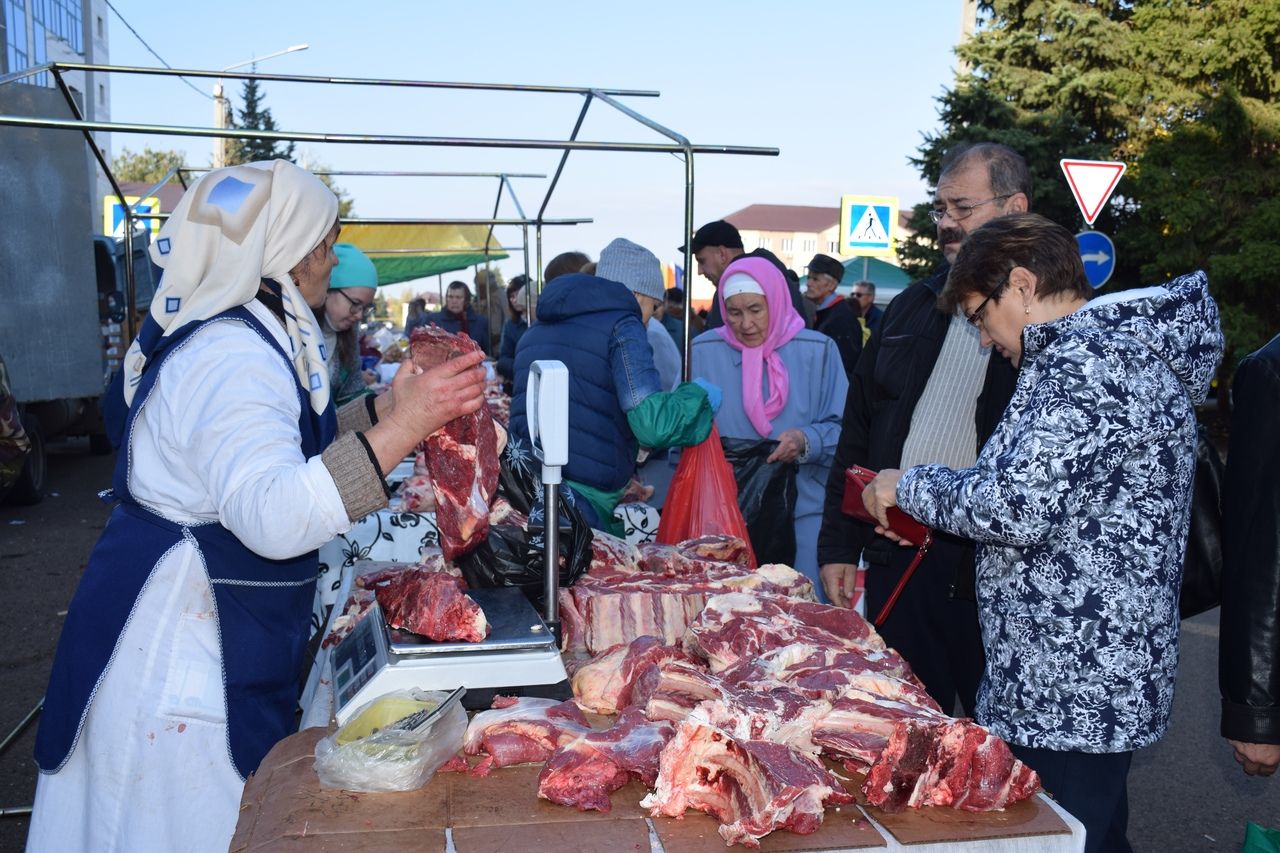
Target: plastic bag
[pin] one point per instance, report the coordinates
(513, 556)
(1259, 839)
(703, 498)
(766, 496)
(370, 753)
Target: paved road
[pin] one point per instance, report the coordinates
(1186, 793)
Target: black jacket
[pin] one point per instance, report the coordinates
(883, 391)
(1249, 631)
(840, 323)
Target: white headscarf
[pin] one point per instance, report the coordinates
(235, 227)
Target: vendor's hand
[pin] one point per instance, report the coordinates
(421, 402)
(1257, 759)
(791, 445)
(369, 377)
(427, 400)
(839, 580)
(880, 494)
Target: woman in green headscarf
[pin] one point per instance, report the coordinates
(352, 286)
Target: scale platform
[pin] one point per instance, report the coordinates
(375, 660)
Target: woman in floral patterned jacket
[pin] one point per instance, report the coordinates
(1079, 504)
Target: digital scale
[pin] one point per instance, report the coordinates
(376, 659)
(521, 649)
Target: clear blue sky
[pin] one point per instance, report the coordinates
(844, 88)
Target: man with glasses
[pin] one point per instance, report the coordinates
(925, 391)
(864, 299)
(352, 286)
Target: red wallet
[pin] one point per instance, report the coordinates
(856, 479)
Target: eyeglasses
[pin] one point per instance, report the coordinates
(365, 308)
(961, 212)
(975, 319)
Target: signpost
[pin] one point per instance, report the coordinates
(1091, 182)
(868, 224)
(113, 214)
(1099, 256)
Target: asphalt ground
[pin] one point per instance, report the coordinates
(1186, 792)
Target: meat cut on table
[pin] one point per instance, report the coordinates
(519, 731)
(462, 456)
(585, 771)
(751, 787)
(954, 763)
(604, 685)
(601, 611)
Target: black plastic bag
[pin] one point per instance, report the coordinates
(510, 556)
(766, 496)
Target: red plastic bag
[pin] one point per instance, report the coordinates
(703, 498)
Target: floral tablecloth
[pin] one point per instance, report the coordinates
(390, 534)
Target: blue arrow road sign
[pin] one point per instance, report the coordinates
(1099, 256)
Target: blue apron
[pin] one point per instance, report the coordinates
(262, 606)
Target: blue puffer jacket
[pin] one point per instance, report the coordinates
(581, 320)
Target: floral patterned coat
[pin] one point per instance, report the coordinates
(1079, 504)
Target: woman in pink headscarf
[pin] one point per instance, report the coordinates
(780, 381)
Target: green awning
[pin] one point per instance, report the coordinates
(405, 252)
(881, 273)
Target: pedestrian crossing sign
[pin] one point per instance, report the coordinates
(868, 224)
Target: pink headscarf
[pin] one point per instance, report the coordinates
(784, 323)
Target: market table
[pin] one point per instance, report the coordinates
(284, 808)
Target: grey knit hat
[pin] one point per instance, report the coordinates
(634, 266)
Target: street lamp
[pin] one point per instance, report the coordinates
(222, 106)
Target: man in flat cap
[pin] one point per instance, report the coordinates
(835, 316)
(718, 244)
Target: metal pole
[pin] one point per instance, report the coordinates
(15, 811)
(541, 267)
(866, 264)
(26, 721)
(551, 557)
(688, 270)
(220, 108)
(528, 288)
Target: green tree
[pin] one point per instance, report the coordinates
(148, 167)
(1182, 91)
(255, 116)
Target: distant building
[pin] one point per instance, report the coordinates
(37, 32)
(795, 232)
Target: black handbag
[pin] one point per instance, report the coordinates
(1202, 565)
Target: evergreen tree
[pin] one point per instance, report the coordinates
(254, 116)
(148, 167)
(1182, 91)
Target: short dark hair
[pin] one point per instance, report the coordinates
(675, 294)
(867, 283)
(1006, 168)
(460, 285)
(563, 264)
(1026, 240)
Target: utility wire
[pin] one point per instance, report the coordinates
(152, 52)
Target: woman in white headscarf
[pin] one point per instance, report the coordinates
(180, 656)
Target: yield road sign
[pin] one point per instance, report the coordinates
(1099, 256)
(1091, 182)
